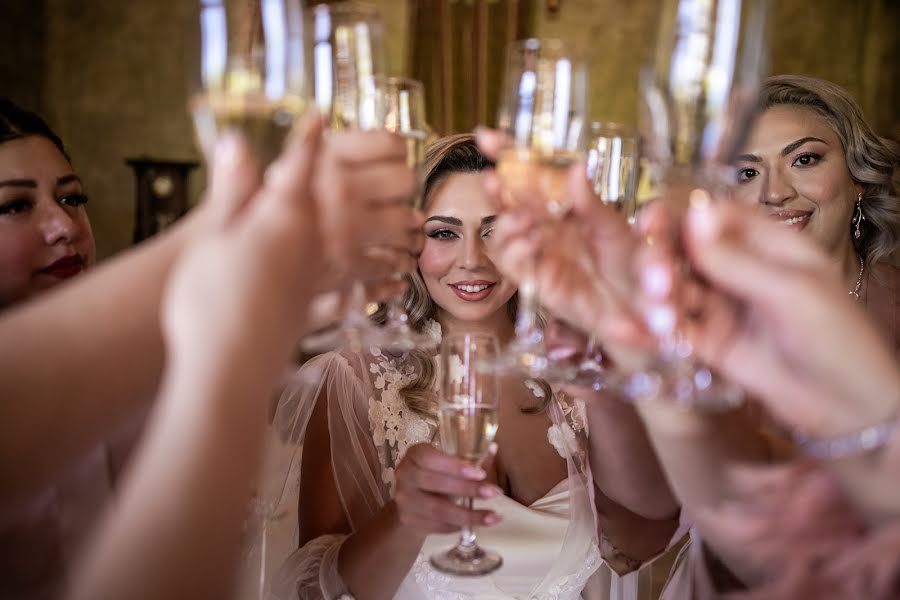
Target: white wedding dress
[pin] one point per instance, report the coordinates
(549, 548)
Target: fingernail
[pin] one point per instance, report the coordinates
(492, 449)
(702, 220)
(561, 353)
(228, 151)
(661, 319)
(489, 491)
(656, 281)
(476, 473)
(491, 518)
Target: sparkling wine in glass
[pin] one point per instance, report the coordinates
(251, 74)
(699, 97)
(401, 108)
(468, 423)
(543, 107)
(612, 164)
(612, 167)
(345, 46)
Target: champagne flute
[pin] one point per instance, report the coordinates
(402, 111)
(347, 58)
(612, 166)
(251, 76)
(612, 163)
(468, 424)
(543, 107)
(698, 99)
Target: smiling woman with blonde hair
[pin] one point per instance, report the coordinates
(375, 496)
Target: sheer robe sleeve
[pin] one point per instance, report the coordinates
(286, 571)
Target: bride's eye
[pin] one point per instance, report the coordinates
(442, 234)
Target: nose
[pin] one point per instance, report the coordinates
(58, 225)
(778, 188)
(473, 253)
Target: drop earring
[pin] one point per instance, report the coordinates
(858, 219)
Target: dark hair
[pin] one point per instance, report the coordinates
(16, 123)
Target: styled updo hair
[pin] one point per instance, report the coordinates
(873, 161)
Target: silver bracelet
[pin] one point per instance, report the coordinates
(865, 440)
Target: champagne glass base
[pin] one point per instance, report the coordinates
(530, 360)
(467, 562)
(683, 383)
(592, 375)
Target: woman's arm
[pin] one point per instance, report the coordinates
(175, 531)
(373, 560)
(64, 376)
(636, 510)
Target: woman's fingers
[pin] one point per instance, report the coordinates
(355, 148)
(433, 513)
(234, 179)
(491, 141)
(429, 482)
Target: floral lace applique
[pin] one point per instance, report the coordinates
(394, 427)
(564, 436)
(435, 584)
(569, 587)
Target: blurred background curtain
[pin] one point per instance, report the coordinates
(457, 48)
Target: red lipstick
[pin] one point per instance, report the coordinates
(66, 267)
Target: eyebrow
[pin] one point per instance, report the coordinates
(29, 183)
(454, 221)
(794, 145)
(754, 158)
(67, 179)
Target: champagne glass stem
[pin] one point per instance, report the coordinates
(467, 545)
(527, 330)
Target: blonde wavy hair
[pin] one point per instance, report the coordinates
(873, 161)
(444, 157)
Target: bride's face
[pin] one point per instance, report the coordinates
(454, 264)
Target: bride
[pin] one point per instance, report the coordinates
(375, 497)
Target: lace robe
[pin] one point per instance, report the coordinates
(550, 548)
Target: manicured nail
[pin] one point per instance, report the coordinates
(489, 491)
(491, 518)
(702, 221)
(492, 449)
(475, 473)
(561, 353)
(661, 319)
(228, 151)
(656, 281)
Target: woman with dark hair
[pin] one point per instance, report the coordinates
(45, 233)
(375, 496)
(812, 164)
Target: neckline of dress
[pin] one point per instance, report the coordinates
(559, 488)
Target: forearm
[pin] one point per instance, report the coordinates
(176, 530)
(376, 558)
(623, 463)
(84, 359)
(698, 452)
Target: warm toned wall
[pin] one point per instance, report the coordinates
(109, 74)
(853, 43)
(115, 87)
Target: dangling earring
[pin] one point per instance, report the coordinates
(858, 219)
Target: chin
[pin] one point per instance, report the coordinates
(468, 311)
